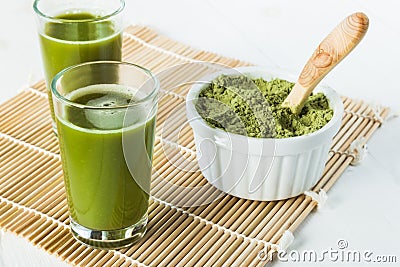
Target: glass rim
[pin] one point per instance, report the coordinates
(65, 100)
(95, 19)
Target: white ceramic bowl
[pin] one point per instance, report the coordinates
(261, 168)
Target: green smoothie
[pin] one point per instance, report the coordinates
(102, 192)
(77, 37)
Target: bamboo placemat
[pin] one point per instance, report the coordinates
(227, 231)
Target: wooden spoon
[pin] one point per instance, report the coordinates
(336, 46)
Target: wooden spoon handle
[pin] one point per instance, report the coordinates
(336, 46)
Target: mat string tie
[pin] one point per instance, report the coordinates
(392, 115)
(285, 241)
(320, 198)
(377, 110)
(358, 149)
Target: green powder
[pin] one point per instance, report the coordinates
(252, 107)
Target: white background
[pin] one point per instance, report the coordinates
(363, 206)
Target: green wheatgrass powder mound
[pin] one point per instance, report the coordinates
(252, 107)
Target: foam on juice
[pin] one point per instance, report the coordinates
(107, 107)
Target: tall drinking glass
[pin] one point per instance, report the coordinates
(105, 113)
(77, 31)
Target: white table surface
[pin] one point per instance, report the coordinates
(363, 206)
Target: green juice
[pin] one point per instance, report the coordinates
(77, 38)
(102, 192)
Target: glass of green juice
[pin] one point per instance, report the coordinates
(105, 114)
(77, 31)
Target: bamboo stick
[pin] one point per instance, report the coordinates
(97, 256)
(10, 104)
(25, 218)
